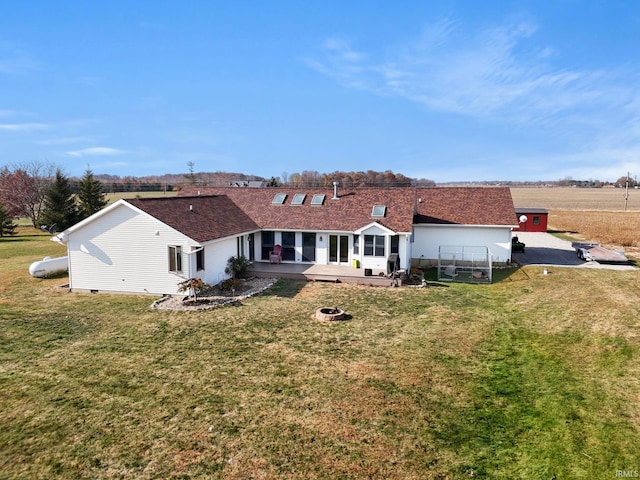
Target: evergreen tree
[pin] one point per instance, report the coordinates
(7, 227)
(59, 204)
(273, 182)
(191, 177)
(91, 197)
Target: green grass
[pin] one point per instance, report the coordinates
(533, 376)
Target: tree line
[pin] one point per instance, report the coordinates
(304, 179)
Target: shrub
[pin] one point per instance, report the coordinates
(230, 284)
(237, 266)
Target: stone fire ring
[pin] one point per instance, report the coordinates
(329, 314)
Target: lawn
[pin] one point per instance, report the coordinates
(534, 376)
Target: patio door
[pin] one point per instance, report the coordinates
(308, 247)
(338, 249)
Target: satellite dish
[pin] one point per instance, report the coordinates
(523, 219)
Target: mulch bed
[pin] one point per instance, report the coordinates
(215, 296)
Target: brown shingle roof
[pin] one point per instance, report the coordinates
(466, 206)
(350, 212)
(201, 218)
(219, 212)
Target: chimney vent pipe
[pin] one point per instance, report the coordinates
(335, 190)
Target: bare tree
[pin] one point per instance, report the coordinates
(23, 188)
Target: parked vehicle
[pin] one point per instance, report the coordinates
(594, 252)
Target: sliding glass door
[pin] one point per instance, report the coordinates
(338, 249)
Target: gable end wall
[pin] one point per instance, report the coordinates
(125, 251)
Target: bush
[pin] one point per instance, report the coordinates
(237, 266)
(230, 284)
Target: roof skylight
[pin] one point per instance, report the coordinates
(298, 199)
(379, 210)
(318, 199)
(279, 198)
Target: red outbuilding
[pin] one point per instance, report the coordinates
(532, 219)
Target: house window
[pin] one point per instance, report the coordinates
(175, 258)
(318, 199)
(298, 199)
(374, 245)
(378, 211)
(356, 244)
(279, 198)
(288, 246)
(240, 247)
(395, 244)
(200, 259)
(536, 220)
(267, 244)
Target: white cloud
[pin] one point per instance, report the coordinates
(64, 140)
(497, 73)
(23, 127)
(506, 80)
(96, 151)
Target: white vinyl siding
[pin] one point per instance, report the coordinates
(125, 251)
(427, 239)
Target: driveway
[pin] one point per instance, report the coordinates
(545, 249)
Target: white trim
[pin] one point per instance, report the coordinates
(375, 224)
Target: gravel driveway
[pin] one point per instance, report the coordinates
(545, 249)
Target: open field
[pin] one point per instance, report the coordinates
(534, 376)
(112, 197)
(592, 214)
(567, 198)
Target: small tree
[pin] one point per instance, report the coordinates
(91, 197)
(191, 177)
(7, 227)
(59, 204)
(23, 188)
(193, 286)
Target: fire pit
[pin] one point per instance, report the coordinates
(329, 314)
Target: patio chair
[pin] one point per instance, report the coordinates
(275, 255)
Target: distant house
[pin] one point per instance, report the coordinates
(150, 245)
(532, 219)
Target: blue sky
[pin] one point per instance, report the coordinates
(444, 90)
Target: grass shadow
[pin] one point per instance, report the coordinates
(500, 274)
(285, 288)
(509, 274)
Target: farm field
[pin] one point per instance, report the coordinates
(113, 197)
(591, 214)
(568, 198)
(530, 377)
